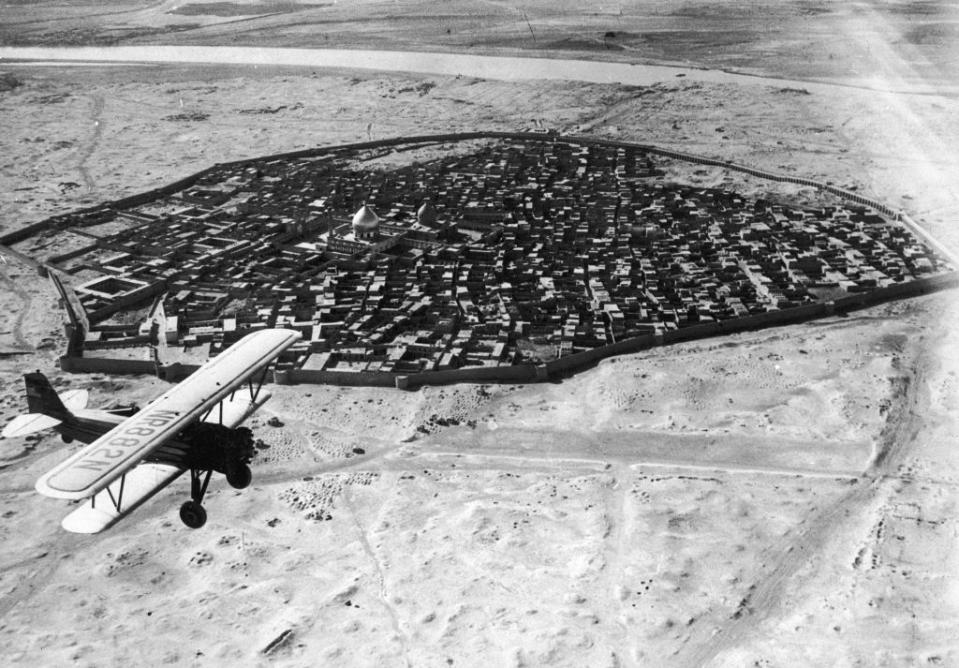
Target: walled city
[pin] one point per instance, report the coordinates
(521, 252)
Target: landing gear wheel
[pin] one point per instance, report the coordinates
(193, 514)
(239, 476)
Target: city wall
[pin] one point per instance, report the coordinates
(586, 358)
(57, 260)
(26, 232)
(128, 299)
(172, 372)
(517, 373)
(325, 377)
(108, 366)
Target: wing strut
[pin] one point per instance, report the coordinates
(122, 497)
(230, 417)
(118, 500)
(259, 384)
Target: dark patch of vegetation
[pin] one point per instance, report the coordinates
(8, 82)
(932, 33)
(270, 110)
(188, 116)
(54, 98)
(423, 88)
(919, 8)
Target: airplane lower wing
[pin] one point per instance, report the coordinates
(100, 512)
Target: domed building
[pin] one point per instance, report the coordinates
(365, 223)
(426, 214)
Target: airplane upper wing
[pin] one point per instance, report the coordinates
(104, 460)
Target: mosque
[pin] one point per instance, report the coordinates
(368, 232)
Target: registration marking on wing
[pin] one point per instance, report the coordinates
(131, 436)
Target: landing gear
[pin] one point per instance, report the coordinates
(66, 439)
(214, 447)
(239, 476)
(193, 514)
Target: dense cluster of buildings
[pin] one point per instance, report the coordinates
(522, 251)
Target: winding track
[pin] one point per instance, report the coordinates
(26, 302)
(96, 117)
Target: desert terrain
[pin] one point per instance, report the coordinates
(784, 497)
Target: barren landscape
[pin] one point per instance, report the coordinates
(775, 498)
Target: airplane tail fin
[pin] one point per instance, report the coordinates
(43, 399)
(46, 407)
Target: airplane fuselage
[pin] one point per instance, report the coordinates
(87, 429)
(203, 444)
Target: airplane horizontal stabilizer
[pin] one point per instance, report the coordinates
(31, 423)
(75, 400)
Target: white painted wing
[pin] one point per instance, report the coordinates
(139, 484)
(23, 425)
(75, 400)
(123, 447)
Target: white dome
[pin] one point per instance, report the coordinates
(365, 220)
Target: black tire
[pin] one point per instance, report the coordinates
(192, 514)
(239, 476)
(66, 439)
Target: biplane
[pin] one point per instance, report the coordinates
(132, 454)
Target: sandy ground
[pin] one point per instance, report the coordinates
(890, 40)
(601, 520)
(779, 498)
